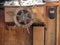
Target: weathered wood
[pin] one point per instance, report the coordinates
(16, 36)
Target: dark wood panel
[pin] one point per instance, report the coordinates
(18, 36)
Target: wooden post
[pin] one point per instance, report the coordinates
(58, 25)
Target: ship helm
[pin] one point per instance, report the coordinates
(24, 17)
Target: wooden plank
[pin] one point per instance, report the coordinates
(38, 12)
(58, 26)
(38, 35)
(1, 34)
(52, 4)
(50, 32)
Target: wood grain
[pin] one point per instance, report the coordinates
(38, 35)
(58, 26)
(51, 30)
